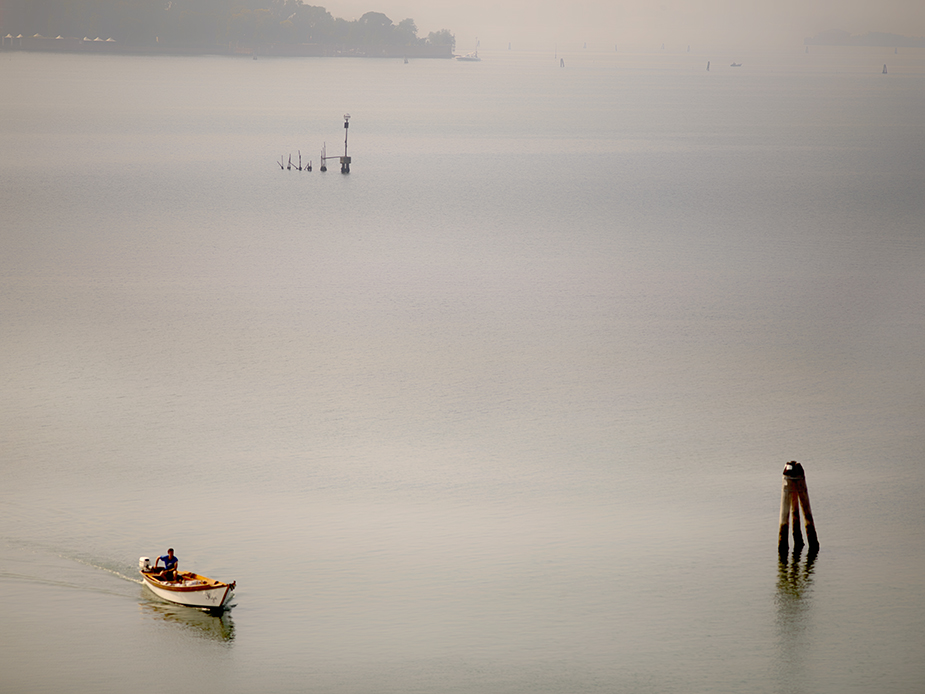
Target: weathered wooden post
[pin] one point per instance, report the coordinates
(795, 517)
(803, 493)
(786, 497)
(794, 495)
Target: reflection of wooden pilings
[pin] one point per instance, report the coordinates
(794, 495)
(794, 579)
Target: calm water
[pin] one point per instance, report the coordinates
(503, 410)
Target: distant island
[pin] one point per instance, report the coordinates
(264, 27)
(872, 38)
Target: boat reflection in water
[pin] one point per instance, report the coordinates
(217, 627)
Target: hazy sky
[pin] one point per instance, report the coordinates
(640, 24)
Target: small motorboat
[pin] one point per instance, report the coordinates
(469, 57)
(736, 65)
(189, 589)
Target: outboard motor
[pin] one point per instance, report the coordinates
(144, 563)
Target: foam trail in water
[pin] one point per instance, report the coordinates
(114, 572)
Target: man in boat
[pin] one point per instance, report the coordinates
(169, 572)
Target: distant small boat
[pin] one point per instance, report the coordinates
(472, 57)
(190, 589)
(736, 65)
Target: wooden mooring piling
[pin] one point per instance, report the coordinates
(794, 496)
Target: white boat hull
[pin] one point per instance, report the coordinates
(196, 591)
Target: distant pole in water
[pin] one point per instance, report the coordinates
(884, 69)
(345, 160)
(688, 48)
(794, 495)
(807, 49)
(708, 66)
(561, 62)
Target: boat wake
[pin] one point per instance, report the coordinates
(57, 583)
(107, 569)
(119, 570)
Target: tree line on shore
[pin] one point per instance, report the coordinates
(208, 22)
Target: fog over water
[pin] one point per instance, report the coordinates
(503, 410)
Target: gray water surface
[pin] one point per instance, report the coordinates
(503, 410)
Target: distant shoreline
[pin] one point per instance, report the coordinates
(319, 50)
